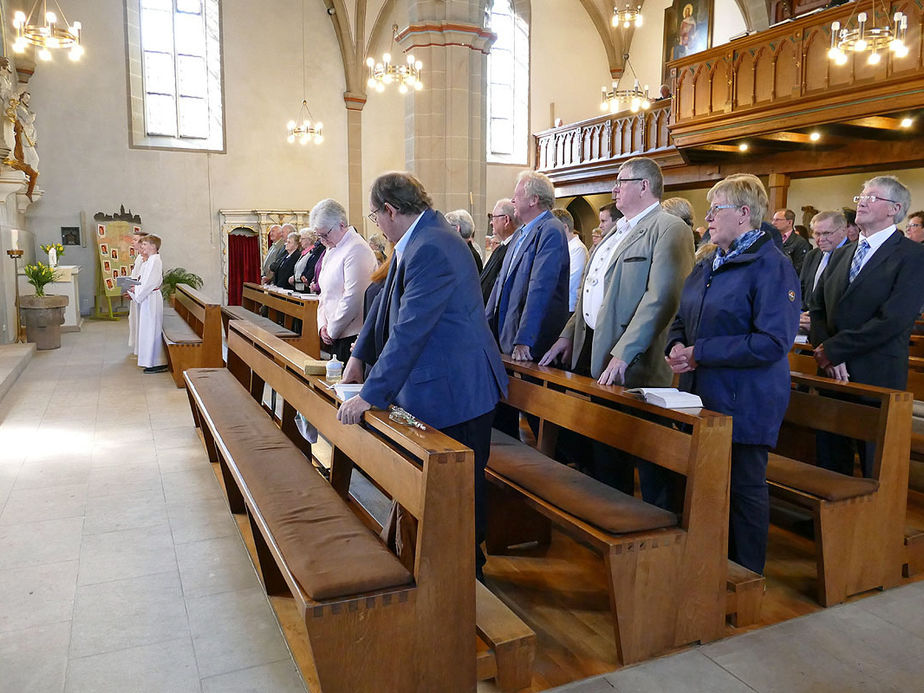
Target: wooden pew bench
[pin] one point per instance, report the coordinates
(371, 621)
(859, 523)
(191, 333)
(801, 361)
(283, 310)
(667, 575)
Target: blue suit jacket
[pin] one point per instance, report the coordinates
(531, 306)
(426, 336)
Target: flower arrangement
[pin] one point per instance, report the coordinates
(58, 248)
(39, 275)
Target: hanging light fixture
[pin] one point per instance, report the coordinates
(304, 128)
(866, 35)
(385, 72)
(55, 33)
(627, 16)
(633, 99)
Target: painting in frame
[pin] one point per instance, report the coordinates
(687, 29)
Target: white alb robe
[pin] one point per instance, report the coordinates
(132, 311)
(149, 344)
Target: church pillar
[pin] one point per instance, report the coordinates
(779, 190)
(357, 202)
(445, 126)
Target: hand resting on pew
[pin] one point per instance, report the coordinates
(351, 411)
(559, 352)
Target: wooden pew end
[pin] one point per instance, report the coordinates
(512, 642)
(914, 552)
(744, 595)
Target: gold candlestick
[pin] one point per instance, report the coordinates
(16, 253)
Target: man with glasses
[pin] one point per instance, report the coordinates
(829, 229)
(866, 303)
(628, 299)
(915, 228)
(794, 246)
(503, 222)
(426, 337)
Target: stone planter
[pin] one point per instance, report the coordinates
(42, 317)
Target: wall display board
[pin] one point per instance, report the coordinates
(115, 257)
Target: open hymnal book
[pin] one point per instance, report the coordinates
(125, 282)
(668, 397)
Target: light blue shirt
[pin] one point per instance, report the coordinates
(406, 238)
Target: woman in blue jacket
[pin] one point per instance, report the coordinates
(738, 317)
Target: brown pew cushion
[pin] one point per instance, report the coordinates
(587, 499)
(241, 313)
(817, 481)
(325, 546)
(178, 331)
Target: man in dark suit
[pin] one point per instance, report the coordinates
(863, 311)
(426, 339)
(794, 246)
(504, 223)
(829, 229)
(529, 303)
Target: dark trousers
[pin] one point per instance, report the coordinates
(340, 348)
(749, 511)
(476, 434)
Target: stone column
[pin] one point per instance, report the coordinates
(357, 203)
(445, 127)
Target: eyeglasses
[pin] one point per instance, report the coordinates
(823, 234)
(871, 199)
(620, 181)
(716, 208)
(492, 217)
(330, 231)
(914, 223)
(374, 215)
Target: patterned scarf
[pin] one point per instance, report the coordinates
(738, 246)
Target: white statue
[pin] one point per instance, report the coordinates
(25, 157)
(8, 103)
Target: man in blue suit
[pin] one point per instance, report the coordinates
(425, 338)
(528, 306)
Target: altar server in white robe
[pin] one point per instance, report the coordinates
(136, 274)
(147, 297)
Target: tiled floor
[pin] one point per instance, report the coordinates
(120, 566)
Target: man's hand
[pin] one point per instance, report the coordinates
(351, 411)
(353, 371)
(821, 358)
(560, 352)
(805, 322)
(521, 352)
(681, 359)
(325, 337)
(838, 372)
(615, 373)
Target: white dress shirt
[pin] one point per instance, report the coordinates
(577, 254)
(594, 288)
(344, 277)
(875, 241)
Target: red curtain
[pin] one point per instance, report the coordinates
(243, 264)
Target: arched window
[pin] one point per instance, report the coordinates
(508, 86)
(175, 74)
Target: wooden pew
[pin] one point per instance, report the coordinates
(382, 636)
(801, 361)
(916, 346)
(282, 311)
(859, 523)
(667, 575)
(191, 333)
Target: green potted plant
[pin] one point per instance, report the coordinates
(178, 275)
(42, 315)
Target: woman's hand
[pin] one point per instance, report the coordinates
(325, 337)
(681, 359)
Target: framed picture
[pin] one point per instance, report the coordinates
(123, 271)
(104, 249)
(110, 284)
(115, 253)
(100, 230)
(687, 28)
(107, 267)
(131, 252)
(70, 235)
(115, 274)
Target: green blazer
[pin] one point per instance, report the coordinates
(643, 282)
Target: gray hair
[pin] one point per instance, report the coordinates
(464, 221)
(540, 185)
(289, 228)
(679, 207)
(838, 220)
(896, 192)
(293, 236)
(327, 214)
(564, 216)
(506, 205)
(648, 169)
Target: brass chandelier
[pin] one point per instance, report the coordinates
(54, 33)
(866, 35)
(633, 99)
(385, 72)
(304, 128)
(627, 16)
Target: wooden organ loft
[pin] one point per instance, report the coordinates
(769, 91)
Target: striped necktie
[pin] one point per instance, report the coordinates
(857, 261)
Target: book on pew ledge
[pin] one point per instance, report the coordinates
(667, 397)
(125, 283)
